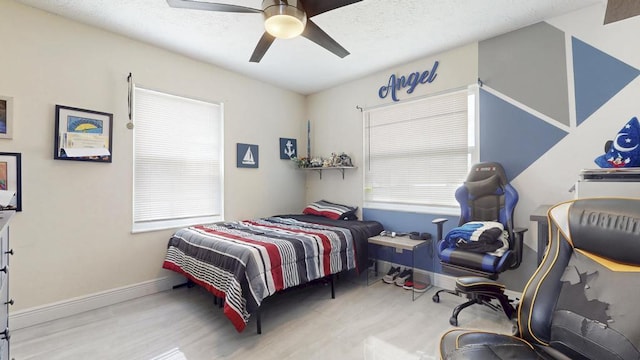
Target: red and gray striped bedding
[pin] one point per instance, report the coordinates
(247, 261)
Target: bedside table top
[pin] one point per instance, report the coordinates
(399, 242)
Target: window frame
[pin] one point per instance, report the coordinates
(473, 150)
(178, 222)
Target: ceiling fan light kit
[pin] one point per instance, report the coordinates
(283, 20)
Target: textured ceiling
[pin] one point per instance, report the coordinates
(378, 33)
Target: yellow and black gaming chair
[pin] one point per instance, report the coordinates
(582, 301)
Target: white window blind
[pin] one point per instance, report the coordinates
(419, 152)
(178, 169)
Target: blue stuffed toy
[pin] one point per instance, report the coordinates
(624, 150)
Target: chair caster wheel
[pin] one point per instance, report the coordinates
(453, 321)
(436, 298)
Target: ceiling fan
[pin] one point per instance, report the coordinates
(284, 19)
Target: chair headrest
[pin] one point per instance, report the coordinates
(484, 178)
(483, 187)
(486, 170)
(607, 227)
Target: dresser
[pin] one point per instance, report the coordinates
(5, 252)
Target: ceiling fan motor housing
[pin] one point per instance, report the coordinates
(284, 19)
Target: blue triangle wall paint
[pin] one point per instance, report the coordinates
(512, 136)
(597, 78)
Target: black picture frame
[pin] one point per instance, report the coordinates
(11, 177)
(83, 135)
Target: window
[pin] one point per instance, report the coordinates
(178, 161)
(417, 153)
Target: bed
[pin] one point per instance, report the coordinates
(244, 262)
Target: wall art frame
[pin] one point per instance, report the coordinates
(288, 148)
(6, 117)
(11, 178)
(247, 156)
(83, 135)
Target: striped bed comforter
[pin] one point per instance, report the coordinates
(246, 261)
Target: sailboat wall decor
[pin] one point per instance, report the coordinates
(247, 156)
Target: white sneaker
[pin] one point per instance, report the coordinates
(391, 275)
(403, 277)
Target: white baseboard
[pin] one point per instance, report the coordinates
(444, 281)
(40, 314)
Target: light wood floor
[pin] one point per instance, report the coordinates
(364, 322)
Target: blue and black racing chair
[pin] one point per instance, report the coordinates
(485, 243)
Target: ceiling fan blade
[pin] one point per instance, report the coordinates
(621, 9)
(315, 7)
(318, 36)
(203, 5)
(263, 45)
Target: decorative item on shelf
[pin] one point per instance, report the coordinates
(345, 160)
(340, 160)
(335, 161)
(302, 162)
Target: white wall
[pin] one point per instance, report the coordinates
(73, 236)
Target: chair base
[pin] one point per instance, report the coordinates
(478, 291)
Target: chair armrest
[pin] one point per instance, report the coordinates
(518, 246)
(439, 223)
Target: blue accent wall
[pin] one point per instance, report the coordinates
(598, 76)
(512, 136)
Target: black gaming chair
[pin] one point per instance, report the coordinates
(486, 196)
(582, 301)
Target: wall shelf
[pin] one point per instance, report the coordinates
(320, 169)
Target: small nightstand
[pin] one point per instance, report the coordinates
(419, 249)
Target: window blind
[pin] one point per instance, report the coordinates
(177, 160)
(417, 152)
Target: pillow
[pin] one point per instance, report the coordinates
(331, 210)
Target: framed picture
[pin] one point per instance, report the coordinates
(83, 135)
(10, 181)
(6, 117)
(288, 148)
(247, 156)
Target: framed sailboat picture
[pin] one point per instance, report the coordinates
(247, 156)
